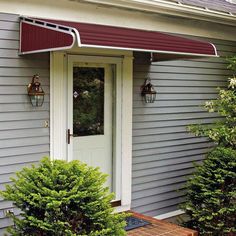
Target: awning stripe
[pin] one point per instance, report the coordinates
(47, 35)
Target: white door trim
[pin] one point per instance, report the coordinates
(123, 114)
(58, 109)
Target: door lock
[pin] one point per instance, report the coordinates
(68, 136)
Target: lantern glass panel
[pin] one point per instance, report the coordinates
(150, 97)
(147, 98)
(33, 100)
(153, 97)
(40, 99)
(37, 100)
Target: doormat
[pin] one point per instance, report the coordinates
(134, 222)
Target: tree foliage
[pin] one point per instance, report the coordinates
(211, 192)
(88, 105)
(60, 198)
(222, 132)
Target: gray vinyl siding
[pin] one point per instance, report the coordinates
(163, 151)
(23, 138)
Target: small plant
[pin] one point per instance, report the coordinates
(211, 196)
(211, 192)
(60, 198)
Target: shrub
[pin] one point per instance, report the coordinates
(211, 192)
(63, 198)
(211, 196)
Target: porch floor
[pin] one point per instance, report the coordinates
(159, 228)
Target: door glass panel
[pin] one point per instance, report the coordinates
(88, 101)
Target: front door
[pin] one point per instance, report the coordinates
(90, 114)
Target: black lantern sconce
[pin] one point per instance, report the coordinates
(35, 92)
(148, 92)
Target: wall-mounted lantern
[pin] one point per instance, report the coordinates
(148, 92)
(35, 92)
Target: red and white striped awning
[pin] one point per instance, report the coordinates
(40, 35)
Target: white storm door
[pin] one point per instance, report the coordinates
(90, 99)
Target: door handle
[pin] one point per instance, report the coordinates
(68, 136)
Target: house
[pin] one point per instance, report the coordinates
(92, 58)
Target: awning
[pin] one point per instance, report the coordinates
(40, 35)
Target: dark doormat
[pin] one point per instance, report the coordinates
(134, 222)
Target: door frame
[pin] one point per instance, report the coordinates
(116, 110)
(122, 147)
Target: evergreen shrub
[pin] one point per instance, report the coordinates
(59, 198)
(211, 192)
(211, 196)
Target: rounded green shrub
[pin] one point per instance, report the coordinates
(211, 194)
(63, 198)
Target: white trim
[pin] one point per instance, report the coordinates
(123, 208)
(94, 59)
(117, 124)
(174, 8)
(127, 106)
(58, 101)
(46, 50)
(51, 129)
(231, 1)
(123, 109)
(153, 51)
(215, 49)
(128, 14)
(78, 37)
(19, 52)
(169, 214)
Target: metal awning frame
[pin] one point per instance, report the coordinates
(76, 40)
